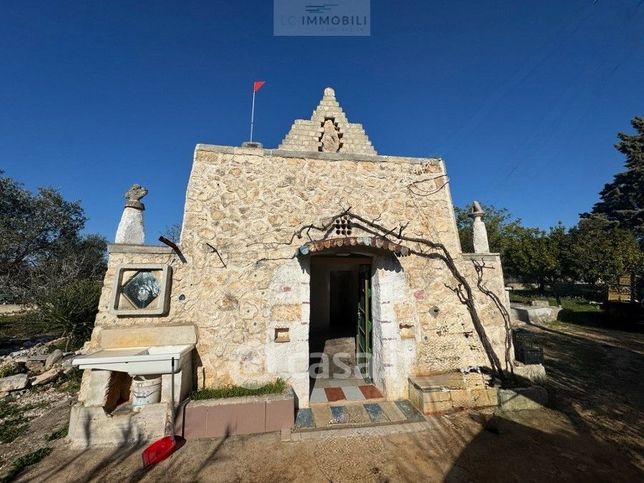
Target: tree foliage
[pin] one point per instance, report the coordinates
(41, 246)
(535, 256)
(499, 224)
(622, 200)
(601, 251)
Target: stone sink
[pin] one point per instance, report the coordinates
(137, 361)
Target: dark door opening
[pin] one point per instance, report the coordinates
(343, 287)
(340, 325)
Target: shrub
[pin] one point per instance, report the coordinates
(24, 461)
(58, 434)
(72, 309)
(276, 387)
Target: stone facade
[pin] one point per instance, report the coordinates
(244, 276)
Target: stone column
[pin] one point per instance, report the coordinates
(130, 230)
(479, 232)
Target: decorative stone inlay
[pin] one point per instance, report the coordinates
(352, 241)
(343, 226)
(330, 140)
(142, 289)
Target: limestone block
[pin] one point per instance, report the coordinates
(286, 312)
(53, 358)
(519, 399)
(95, 387)
(460, 398)
(147, 336)
(438, 407)
(13, 383)
(47, 377)
(532, 372)
(92, 426)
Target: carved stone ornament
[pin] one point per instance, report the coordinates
(133, 197)
(330, 138)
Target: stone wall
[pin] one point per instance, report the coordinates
(246, 203)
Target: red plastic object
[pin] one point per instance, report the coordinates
(159, 450)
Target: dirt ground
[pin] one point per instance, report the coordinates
(593, 431)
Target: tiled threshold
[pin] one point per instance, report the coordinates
(355, 415)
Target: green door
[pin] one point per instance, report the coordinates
(363, 336)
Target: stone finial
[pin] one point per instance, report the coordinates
(476, 210)
(133, 197)
(479, 232)
(131, 230)
(329, 92)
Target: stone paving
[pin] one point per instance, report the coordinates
(356, 414)
(351, 393)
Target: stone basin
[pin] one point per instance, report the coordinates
(137, 361)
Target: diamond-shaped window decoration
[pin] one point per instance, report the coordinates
(142, 289)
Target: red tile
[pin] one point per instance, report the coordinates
(370, 392)
(334, 394)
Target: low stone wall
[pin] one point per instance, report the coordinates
(450, 392)
(444, 393)
(215, 418)
(535, 314)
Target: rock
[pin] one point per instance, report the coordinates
(67, 361)
(46, 377)
(532, 372)
(519, 399)
(53, 358)
(13, 383)
(35, 367)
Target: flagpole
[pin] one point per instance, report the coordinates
(252, 116)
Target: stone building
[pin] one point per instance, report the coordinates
(321, 245)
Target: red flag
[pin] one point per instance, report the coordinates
(257, 85)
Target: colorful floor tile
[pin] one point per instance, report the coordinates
(353, 394)
(339, 415)
(334, 394)
(304, 419)
(376, 413)
(353, 414)
(318, 396)
(410, 412)
(370, 391)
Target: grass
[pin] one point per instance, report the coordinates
(24, 461)
(14, 424)
(12, 428)
(21, 326)
(8, 369)
(70, 383)
(58, 434)
(237, 391)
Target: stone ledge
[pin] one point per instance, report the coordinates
(482, 256)
(316, 155)
(147, 249)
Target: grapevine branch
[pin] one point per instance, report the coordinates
(424, 248)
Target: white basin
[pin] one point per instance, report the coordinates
(137, 361)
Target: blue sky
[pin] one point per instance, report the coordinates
(523, 99)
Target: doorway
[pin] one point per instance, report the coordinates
(340, 339)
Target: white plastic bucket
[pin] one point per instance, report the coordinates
(145, 390)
